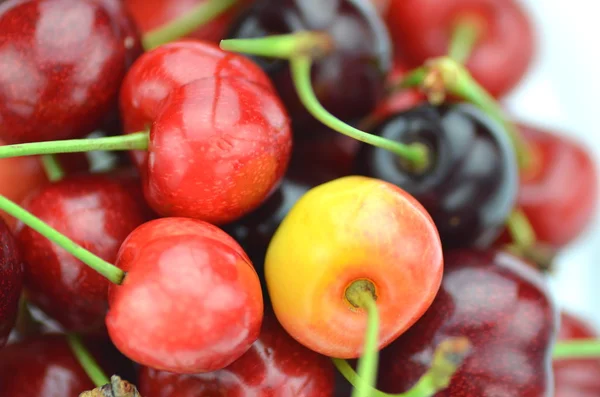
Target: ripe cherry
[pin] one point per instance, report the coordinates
(276, 365)
(422, 29)
(348, 237)
(471, 186)
(97, 213)
(11, 281)
(359, 62)
(63, 62)
(504, 307)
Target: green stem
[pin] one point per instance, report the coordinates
(520, 229)
(89, 365)
(190, 21)
(111, 272)
(283, 46)
(367, 364)
(574, 349)
(137, 141)
(53, 169)
(465, 35)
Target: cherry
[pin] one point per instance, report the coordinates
(503, 51)
(343, 242)
(503, 306)
(160, 71)
(97, 213)
(276, 365)
(578, 377)
(471, 186)
(63, 62)
(359, 62)
(11, 281)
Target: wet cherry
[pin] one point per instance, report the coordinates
(11, 281)
(471, 186)
(504, 307)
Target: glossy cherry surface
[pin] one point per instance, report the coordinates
(217, 149)
(560, 191)
(11, 281)
(275, 366)
(422, 29)
(96, 213)
(191, 300)
(160, 71)
(63, 62)
(472, 184)
(359, 63)
(504, 307)
(576, 378)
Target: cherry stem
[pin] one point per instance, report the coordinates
(108, 270)
(88, 363)
(190, 21)
(520, 229)
(466, 33)
(53, 169)
(283, 46)
(575, 349)
(26, 325)
(136, 141)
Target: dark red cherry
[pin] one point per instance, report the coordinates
(422, 29)
(62, 65)
(350, 81)
(94, 211)
(576, 378)
(504, 307)
(11, 281)
(218, 147)
(160, 71)
(275, 366)
(471, 186)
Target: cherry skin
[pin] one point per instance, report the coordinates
(580, 378)
(352, 229)
(504, 307)
(11, 281)
(472, 185)
(95, 212)
(190, 295)
(160, 71)
(360, 61)
(422, 29)
(275, 366)
(217, 149)
(63, 62)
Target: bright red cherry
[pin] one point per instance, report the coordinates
(191, 300)
(62, 65)
(422, 29)
(11, 281)
(95, 212)
(275, 366)
(160, 71)
(218, 147)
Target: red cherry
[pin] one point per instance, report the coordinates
(190, 301)
(62, 65)
(275, 366)
(576, 378)
(96, 213)
(11, 281)
(160, 71)
(217, 149)
(560, 191)
(422, 29)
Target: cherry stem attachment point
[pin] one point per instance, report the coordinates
(117, 387)
(466, 33)
(577, 349)
(108, 270)
(191, 20)
(87, 362)
(136, 141)
(54, 170)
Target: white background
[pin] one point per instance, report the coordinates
(562, 91)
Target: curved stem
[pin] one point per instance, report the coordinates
(89, 365)
(53, 169)
(137, 141)
(110, 271)
(521, 230)
(580, 348)
(465, 35)
(283, 46)
(191, 20)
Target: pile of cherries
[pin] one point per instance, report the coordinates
(281, 198)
